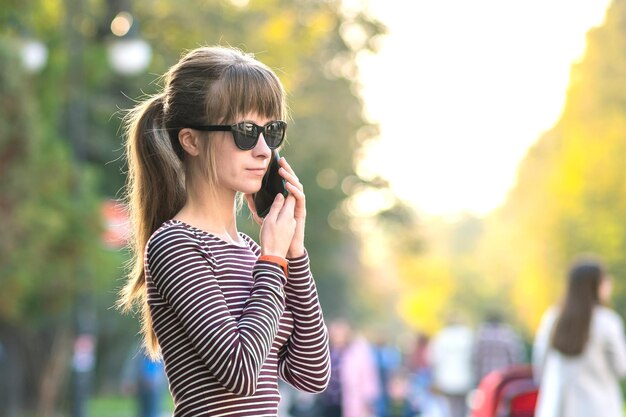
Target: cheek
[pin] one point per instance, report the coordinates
(605, 292)
(223, 170)
(223, 157)
(227, 168)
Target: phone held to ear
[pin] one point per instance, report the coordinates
(272, 185)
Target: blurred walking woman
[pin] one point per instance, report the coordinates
(579, 353)
(228, 316)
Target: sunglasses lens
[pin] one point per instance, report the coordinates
(245, 135)
(274, 134)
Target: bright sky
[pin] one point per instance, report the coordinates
(461, 89)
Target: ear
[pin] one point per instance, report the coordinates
(188, 139)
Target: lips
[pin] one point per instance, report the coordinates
(257, 171)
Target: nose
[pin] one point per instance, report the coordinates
(261, 149)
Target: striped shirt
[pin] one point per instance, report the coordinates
(229, 324)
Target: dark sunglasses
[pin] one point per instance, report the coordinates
(246, 134)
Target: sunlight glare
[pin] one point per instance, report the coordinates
(462, 89)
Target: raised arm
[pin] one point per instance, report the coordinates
(304, 361)
(232, 350)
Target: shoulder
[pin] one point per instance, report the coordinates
(607, 316)
(170, 235)
(551, 314)
(548, 320)
(607, 324)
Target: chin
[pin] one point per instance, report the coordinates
(250, 189)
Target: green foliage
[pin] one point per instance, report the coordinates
(15, 148)
(50, 248)
(51, 251)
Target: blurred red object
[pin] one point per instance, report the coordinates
(117, 224)
(509, 392)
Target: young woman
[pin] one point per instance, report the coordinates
(579, 354)
(228, 316)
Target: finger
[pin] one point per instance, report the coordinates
(285, 165)
(300, 208)
(298, 193)
(291, 178)
(275, 209)
(289, 207)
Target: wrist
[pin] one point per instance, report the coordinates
(295, 253)
(278, 260)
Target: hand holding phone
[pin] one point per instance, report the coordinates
(273, 184)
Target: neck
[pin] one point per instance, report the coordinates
(213, 212)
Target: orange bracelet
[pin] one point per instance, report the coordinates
(276, 260)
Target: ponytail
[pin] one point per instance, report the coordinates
(155, 192)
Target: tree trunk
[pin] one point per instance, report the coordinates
(12, 371)
(54, 374)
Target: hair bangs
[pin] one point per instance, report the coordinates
(249, 88)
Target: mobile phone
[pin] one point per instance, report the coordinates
(272, 185)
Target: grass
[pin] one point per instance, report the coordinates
(112, 406)
(120, 406)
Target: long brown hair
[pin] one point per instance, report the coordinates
(209, 85)
(572, 328)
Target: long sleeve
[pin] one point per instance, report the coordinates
(232, 349)
(305, 359)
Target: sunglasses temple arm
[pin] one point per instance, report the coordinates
(215, 128)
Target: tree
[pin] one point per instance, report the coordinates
(569, 198)
(307, 42)
(51, 251)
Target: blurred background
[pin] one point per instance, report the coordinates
(454, 163)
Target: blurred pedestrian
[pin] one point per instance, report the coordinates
(496, 346)
(420, 396)
(354, 385)
(388, 360)
(145, 380)
(418, 356)
(451, 360)
(579, 354)
(228, 316)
